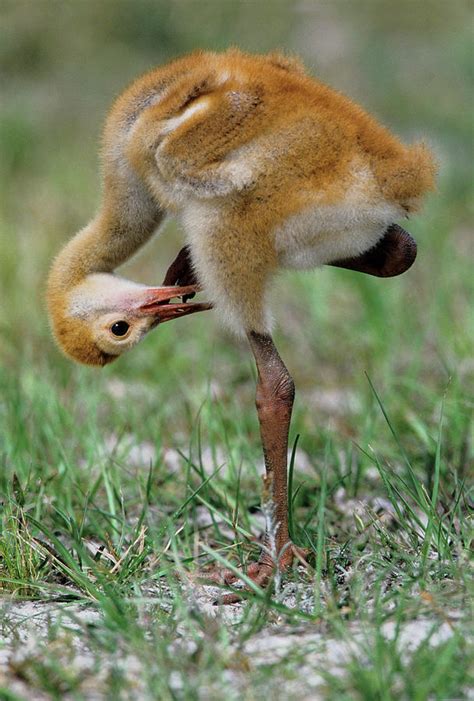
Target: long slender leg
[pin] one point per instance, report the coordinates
(274, 400)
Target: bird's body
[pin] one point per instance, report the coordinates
(264, 167)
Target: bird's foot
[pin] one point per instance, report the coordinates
(181, 272)
(260, 573)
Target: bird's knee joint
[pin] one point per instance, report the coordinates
(285, 391)
(275, 396)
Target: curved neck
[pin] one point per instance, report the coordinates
(100, 247)
(127, 219)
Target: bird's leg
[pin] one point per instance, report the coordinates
(274, 400)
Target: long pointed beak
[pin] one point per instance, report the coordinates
(156, 302)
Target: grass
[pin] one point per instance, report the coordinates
(116, 485)
(89, 524)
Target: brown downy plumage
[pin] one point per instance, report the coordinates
(265, 168)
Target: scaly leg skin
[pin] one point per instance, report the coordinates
(274, 400)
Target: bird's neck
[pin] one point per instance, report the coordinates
(103, 245)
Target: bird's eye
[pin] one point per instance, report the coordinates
(120, 328)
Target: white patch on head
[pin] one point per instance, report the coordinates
(324, 233)
(101, 293)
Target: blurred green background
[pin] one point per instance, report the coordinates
(88, 457)
(62, 63)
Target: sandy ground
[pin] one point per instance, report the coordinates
(26, 632)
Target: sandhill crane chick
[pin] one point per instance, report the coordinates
(265, 168)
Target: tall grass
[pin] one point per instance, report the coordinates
(118, 486)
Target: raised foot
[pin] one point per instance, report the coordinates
(181, 272)
(260, 572)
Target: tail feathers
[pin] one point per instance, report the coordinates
(407, 179)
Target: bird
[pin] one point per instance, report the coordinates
(265, 168)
